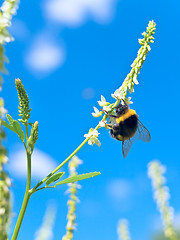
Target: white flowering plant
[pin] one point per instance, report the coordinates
(22, 126)
(91, 137)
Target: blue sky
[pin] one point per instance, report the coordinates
(68, 53)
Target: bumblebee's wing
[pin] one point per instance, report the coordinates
(126, 146)
(142, 133)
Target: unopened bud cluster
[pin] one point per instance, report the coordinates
(71, 216)
(131, 78)
(24, 110)
(34, 135)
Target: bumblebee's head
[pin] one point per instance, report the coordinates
(121, 109)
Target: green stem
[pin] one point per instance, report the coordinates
(60, 166)
(68, 158)
(27, 135)
(65, 161)
(26, 199)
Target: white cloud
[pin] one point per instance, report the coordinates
(76, 12)
(42, 164)
(44, 56)
(119, 189)
(120, 193)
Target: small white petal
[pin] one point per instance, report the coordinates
(119, 93)
(90, 142)
(102, 123)
(135, 79)
(107, 108)
(103, 98)
(149, 48)
(97, 112)
(2, 211)
(87, 135)
(103, 101)
(98, 142)
(95, 133)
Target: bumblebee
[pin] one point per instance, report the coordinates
(126, 127)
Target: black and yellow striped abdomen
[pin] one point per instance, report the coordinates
(126, 126)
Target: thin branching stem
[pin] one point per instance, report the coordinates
(65, 161)
(26, 196)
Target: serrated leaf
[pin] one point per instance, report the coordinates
(17, 128)
(54, 178)
(78, 178)
(10, 119)
(7, 125)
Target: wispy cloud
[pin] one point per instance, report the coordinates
(42, 164)
(119, 189)
(73, 13)
(120, 192)
(44, 56)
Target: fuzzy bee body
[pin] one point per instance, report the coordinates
(126, 127)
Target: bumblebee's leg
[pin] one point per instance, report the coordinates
(109, 125)
(125, 103)
(109, 115)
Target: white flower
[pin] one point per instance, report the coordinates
(103, 102)
(8, 181)
(97, 113)
(131, 87)
(3, 111)
(87, 135)
(93, 135)
(107, 108)
(135, 79)
(128, 101)
(118, 94)
(5, 159)
(3, 22)
(9, 8)
(162, 196)
(102, 123)
(76, 160)
(93, 132)
(94, 140)
(2, 211)
(149, 48)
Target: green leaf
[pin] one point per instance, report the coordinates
(78, 178)
(18, 130)
(7, 125)
(54, 178)
(15, 126)
(10, 119)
